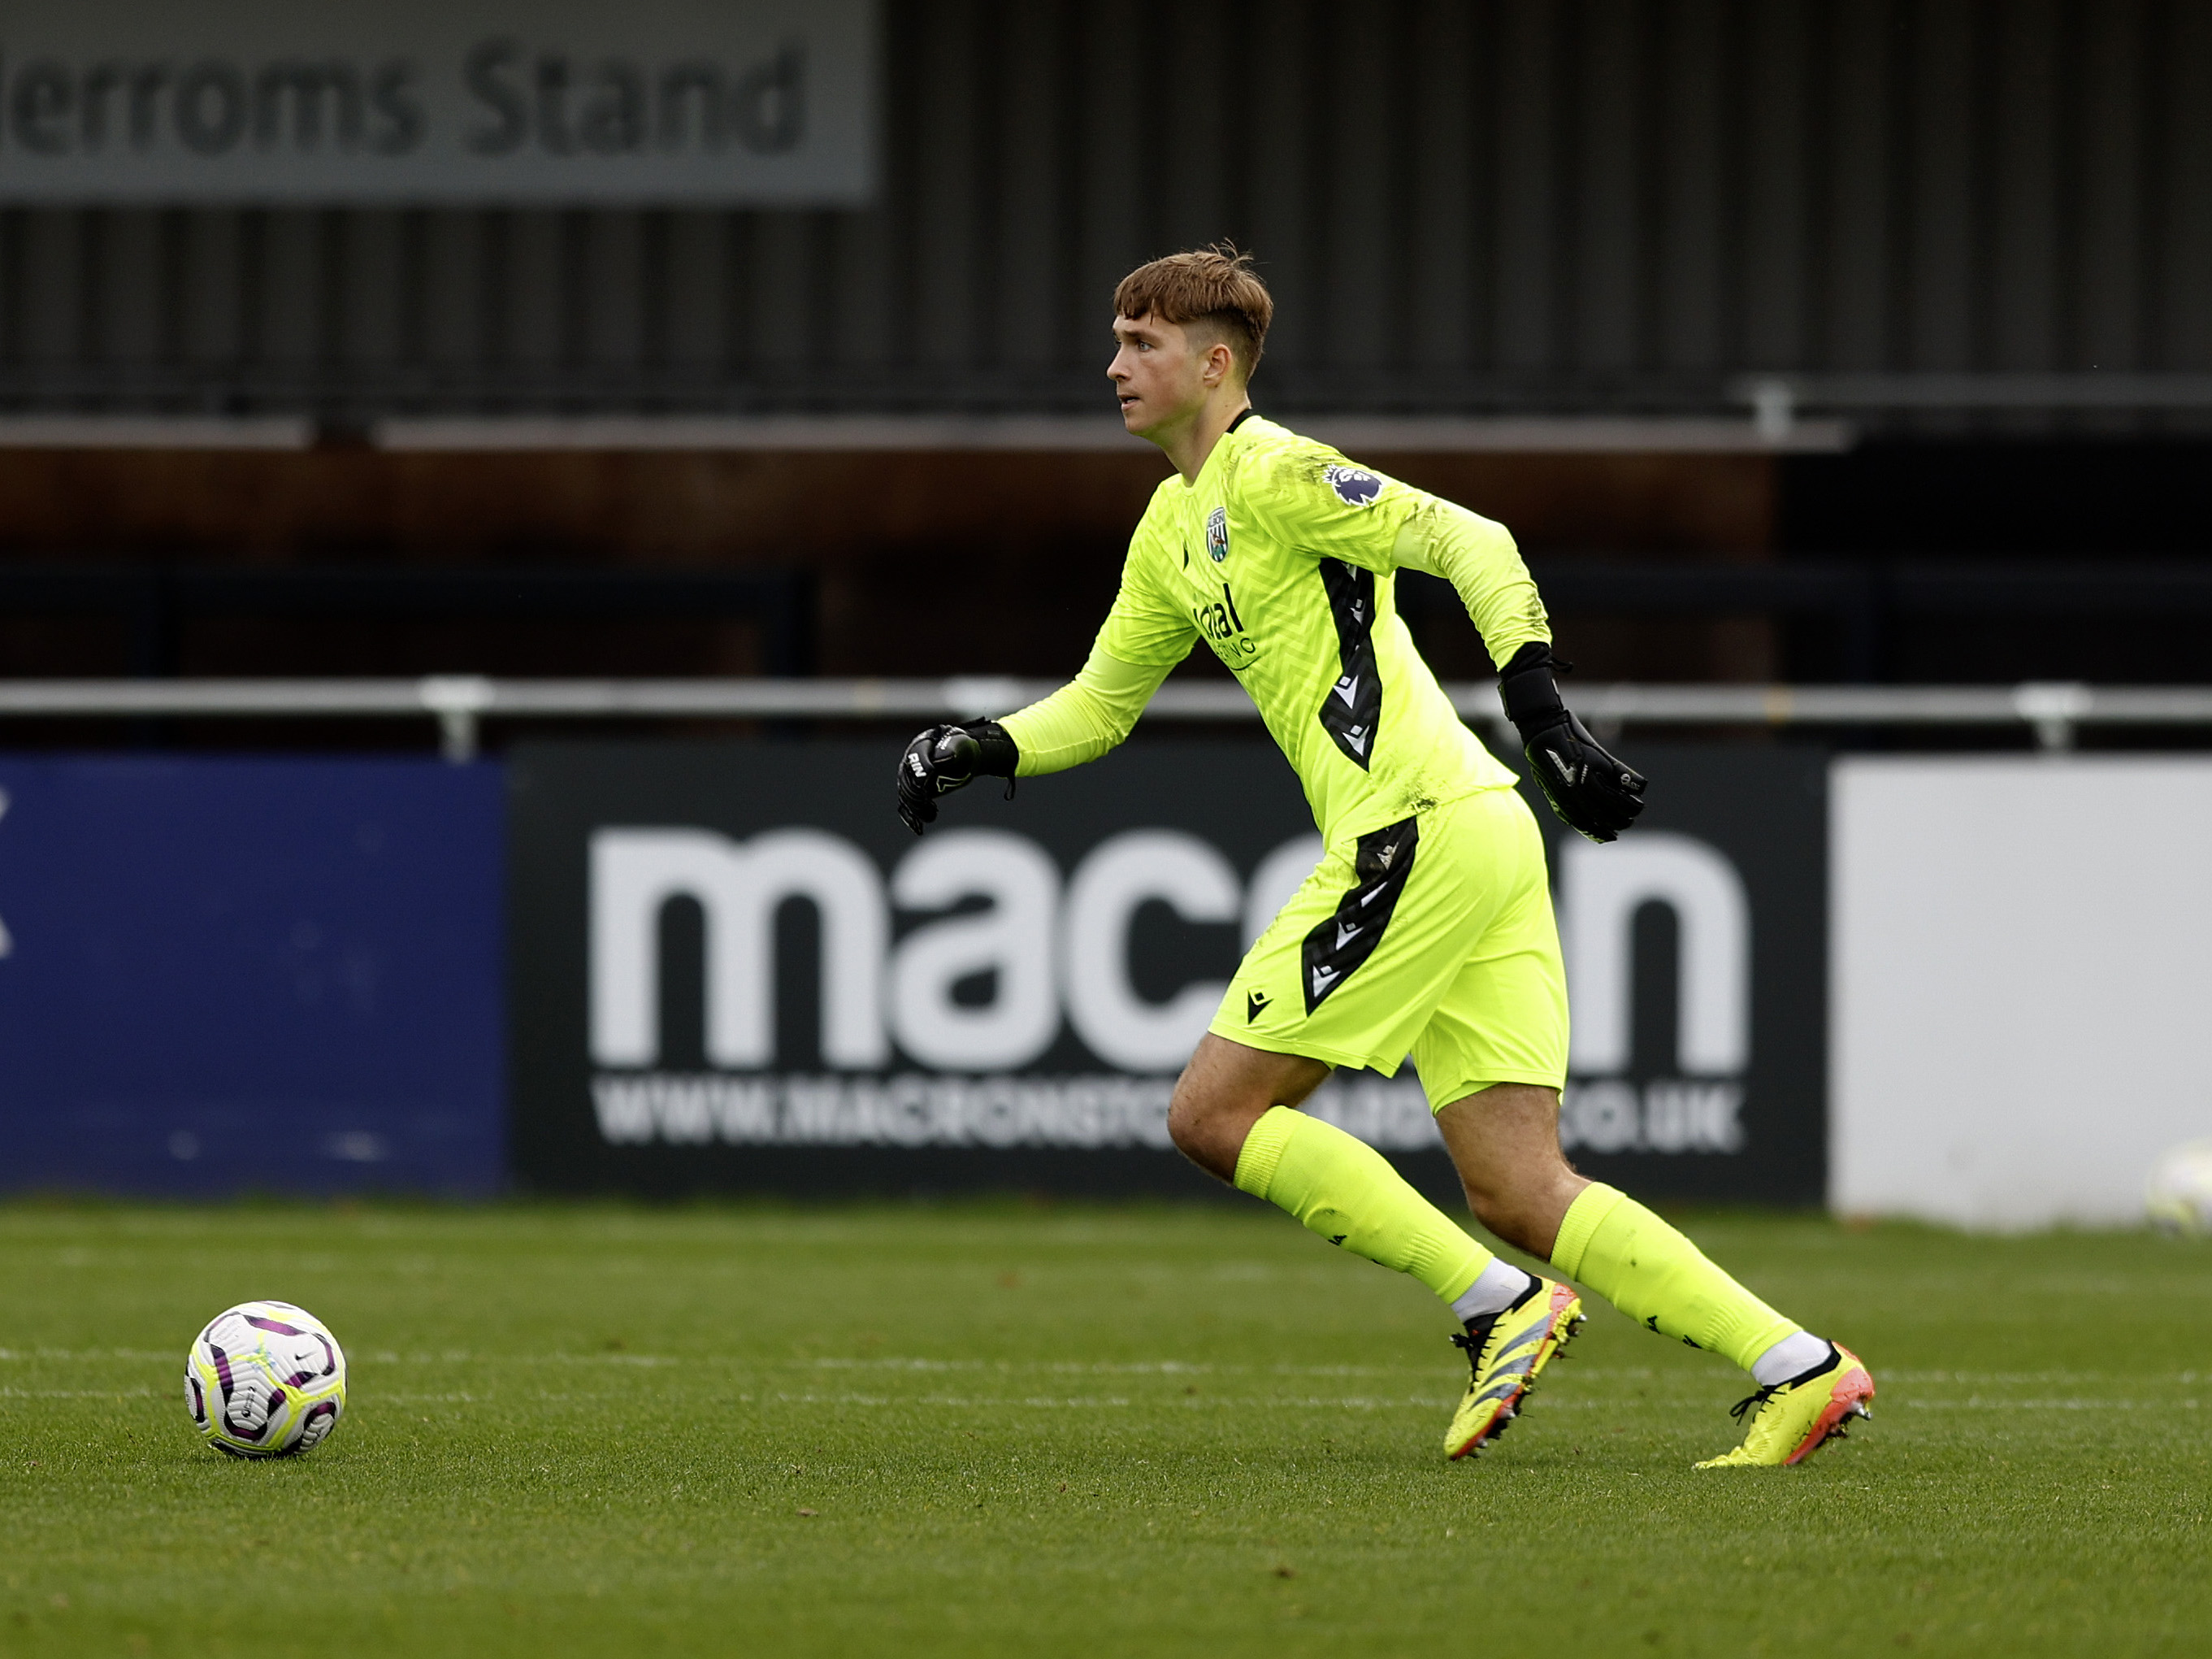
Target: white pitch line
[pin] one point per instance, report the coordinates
(1093, 1403)
(1682, 1382)
(1977, 1404)
(78, 1394)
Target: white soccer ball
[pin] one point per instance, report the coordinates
(2180, 1194)
(265, 1379)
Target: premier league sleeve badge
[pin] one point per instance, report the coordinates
(1355, 486)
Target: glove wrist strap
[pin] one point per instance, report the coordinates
(1527, 688)
(999, 754)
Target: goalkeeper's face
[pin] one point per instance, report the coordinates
(1163, 375)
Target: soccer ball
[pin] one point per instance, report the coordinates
(2180, 1195)
(265, 1379)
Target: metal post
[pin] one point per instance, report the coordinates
(2054, 709)
(1773, 409)
(458, 700)
(457, 729)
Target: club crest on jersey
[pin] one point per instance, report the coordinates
(1217, 534)
(1355, 486)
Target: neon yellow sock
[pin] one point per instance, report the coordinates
(1659, 1279)
(1339, 1186)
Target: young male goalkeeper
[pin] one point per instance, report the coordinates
(1427, 926)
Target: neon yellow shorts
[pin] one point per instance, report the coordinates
(1431, 937)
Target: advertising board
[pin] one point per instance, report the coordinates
(734, 969)
(232, 975)
(2019, 969)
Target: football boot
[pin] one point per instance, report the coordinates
(1506, 1352)
(1791, 1420)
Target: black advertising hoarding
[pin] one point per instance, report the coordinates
(1697, 973)
(734, 969)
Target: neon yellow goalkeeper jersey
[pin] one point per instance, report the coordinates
(1283, 555)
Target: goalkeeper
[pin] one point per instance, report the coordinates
(1427, 926)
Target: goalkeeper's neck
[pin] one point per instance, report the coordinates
(1188, 442)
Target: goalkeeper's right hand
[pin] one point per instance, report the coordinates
(949, 757)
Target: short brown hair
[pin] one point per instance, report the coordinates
(1216, 286)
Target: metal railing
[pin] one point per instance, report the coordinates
(2053, 711)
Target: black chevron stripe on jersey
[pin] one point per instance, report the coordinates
(1334, 949)
(1351, 711)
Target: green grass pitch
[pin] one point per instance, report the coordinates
(986, 1430)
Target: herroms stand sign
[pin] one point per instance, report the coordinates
(736, 102)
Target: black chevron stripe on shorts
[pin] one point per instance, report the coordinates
(1334, 949)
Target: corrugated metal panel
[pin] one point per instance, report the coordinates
(1587, 204)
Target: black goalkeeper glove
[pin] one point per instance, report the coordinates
(949, 757)
(1592, 790)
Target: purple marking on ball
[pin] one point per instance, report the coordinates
(222, 1370)
(230, 1420)
(317, 1422)
(245, 1431)
(276, 1325)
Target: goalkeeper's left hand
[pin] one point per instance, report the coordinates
(1596, 793)
(949, 757)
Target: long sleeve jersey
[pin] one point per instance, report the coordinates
(1282, 555)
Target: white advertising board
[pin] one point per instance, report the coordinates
(728, 102)
(2022, 976)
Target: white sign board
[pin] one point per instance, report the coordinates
(707, 102)
(2022, 974)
